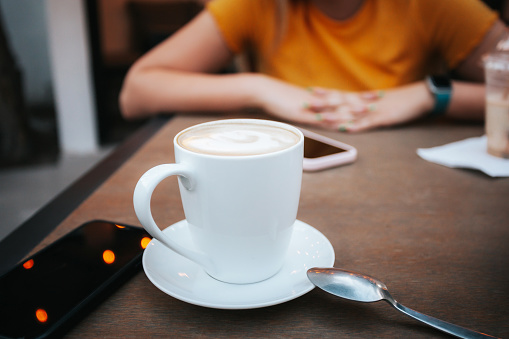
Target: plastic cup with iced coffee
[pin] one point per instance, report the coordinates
(496, 67)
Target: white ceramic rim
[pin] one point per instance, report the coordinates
(283, 125)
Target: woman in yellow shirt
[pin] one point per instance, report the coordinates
(341, 64)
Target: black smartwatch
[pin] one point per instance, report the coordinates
(441, 88)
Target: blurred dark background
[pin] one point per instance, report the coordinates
(119, 31)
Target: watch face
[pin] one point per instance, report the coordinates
(441, 81)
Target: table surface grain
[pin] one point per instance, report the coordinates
(438, 237)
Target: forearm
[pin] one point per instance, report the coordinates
(149, 92)
(467, 101)
(406, 103)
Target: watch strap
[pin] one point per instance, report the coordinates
(440, 88)
(441, 103)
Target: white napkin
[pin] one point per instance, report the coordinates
(468, 153)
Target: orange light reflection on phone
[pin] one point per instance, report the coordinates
(144, 242)
(41, 315)
(109, 257)
(28, 264)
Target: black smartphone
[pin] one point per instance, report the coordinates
(321, 152)
(49, 292)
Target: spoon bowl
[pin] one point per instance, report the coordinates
(360, 287)
(348, 285)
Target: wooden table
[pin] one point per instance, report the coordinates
(438, 237)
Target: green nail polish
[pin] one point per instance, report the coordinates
(381, 94)
(342, 128)
(318, 117)
(305, 105)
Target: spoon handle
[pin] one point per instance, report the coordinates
(452, 329)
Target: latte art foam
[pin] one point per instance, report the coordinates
(237, 139)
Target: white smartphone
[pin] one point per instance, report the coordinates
(321, 152)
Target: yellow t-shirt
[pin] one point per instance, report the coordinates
(385, 44)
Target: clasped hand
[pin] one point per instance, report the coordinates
(349, 111)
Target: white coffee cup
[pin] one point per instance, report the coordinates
(240, 195)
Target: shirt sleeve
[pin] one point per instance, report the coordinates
(240, 21)
(455, 27)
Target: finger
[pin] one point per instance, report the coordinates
(357, 103)
(338, 116)
(314, 105)
(373, 95)
(359, 125)
(326, 120)
(321, 105)
(332, 118)
(335, 99)
(317, 90)
(319, 117)
(310, 118)
(362, 110)
(345, 127)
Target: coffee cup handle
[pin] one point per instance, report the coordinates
(141, 200)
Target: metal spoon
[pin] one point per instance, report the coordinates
(360, 287)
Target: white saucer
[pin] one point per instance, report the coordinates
(186, 281)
